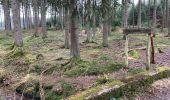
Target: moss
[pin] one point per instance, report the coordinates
(52, 96)
(136, 71)
(102, 80)
(105, 58)
(161, 69)
(15, 52)
(134, 54)
(52, 69)
(92, 68)
(68, 89)
(84, 94)
(129, 89)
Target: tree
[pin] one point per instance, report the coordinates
(75, 50)
(105, 15)
(154, 14)
(6, 6)
(35, 10)
(17, 26)
(164, 14)
(87, 18)
(67, 24)
(125, 13)
(139, 13)
(43, 18)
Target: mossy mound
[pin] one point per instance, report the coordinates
(129, 86)
(82, 68)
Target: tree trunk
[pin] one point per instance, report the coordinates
(43, 18)
(17, 25)
(154, 15)
(94, 27)
(26, 14)
(139, 13)
(67, 39)
(7, 17)
(105, 14)
(125, 20)
(164, 14)
(87, 26)
(123, 3)
(35, 8)
(168, 17)
(167, 12)
(75, 50)
(105, 34)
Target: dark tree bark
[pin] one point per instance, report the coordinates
(139, 13)
(87, 25)
(6, 6)
(105, 14)
(35, 10)
(125, 14)
(154, 14)
(75, 50)
(17, 25)
(164, 14)
(167, 13)
(43, 18)
(67, 24)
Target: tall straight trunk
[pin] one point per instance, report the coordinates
(75, 50)
(105, 34)
(94, 19)
(125, 14)
(154, 14)
(164, 14)
(167, 16)
(114, 9)
(43, 18)
(87, 26)
(167, 12)
(123, 2)
(67, 24)
(29, 15)
(139, 13)
(23, 16)
(6, 6)
(35, 8)
(105, 14)
(94, 27)
(61, 18)
(149, 13)
(26, 14)
(17, 25)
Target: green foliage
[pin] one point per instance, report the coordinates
(134, 54)
(105, 58)
(6, 41)
(134, 71)
(49, 95)
(102, 80)
(68, 89)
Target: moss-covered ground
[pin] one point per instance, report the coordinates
(64, 77)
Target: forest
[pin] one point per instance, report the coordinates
(84, 49)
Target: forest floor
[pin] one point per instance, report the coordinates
(97, 64)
